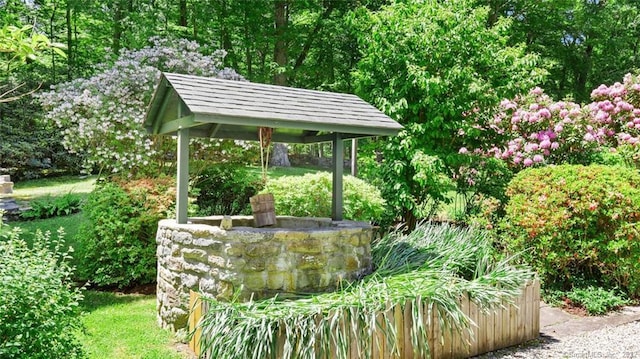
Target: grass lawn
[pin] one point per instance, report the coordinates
(277, 172)
(122, 326)
(57, 186)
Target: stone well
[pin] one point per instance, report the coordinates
(295, 255)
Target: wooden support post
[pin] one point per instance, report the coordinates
(338, 169)
(354, 157)
(182, 197)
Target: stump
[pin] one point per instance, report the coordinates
(264, 212)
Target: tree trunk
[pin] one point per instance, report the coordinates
(70, 52)
(280, 155)
(247, 41)
(280, 48)
(117, 27)
(183, 13)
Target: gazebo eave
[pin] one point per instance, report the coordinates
(169, 114)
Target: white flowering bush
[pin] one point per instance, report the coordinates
(101, 116)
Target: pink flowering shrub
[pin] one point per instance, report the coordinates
(533, 129)
(573, 222)
(101, 117)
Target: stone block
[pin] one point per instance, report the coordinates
(317, 279)
(365, 238)
(235, 264)
(247, 236)
(199, 268)
(288, 236)
(281, 263)
(194, 254)
(255, 265)
(234, 249)
(175, 264)
(351, 263)
(208, 285)
(225, 290)
(306, 246)
(189, 281)
(276, 280)
(262, 249)
(255, 281)
(312, 261)
(181, 237)
(230, 276)
(217, 261)
(180, 318)
(354, 240)
(6, 187)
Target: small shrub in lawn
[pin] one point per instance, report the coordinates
(119, 240)
(225, 189)
(597, 300)
(39, 312)
(575, 223)
(310, 196)
(53, 206)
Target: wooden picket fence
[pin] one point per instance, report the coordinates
(500, 328)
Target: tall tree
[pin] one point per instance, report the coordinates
(586, 42)
(427, 65)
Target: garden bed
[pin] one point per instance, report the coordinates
(439, 290)
(501, 327)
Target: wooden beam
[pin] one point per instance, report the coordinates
(329, 138)
(338, 169)
(175, 125)
(182, 195)
(241, 120)
(214, 129)
(354, 157)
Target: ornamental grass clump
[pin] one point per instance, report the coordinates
(431, 267)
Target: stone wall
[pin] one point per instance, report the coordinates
(298, 255)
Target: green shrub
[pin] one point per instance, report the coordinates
(597, 300)
(574, 223)
(53, 206)
(39, 313)
(119, 240)
(225, 189)
(310, 196)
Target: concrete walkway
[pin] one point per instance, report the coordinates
(556, 323)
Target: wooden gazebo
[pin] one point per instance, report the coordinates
(192, 106)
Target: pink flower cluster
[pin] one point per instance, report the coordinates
(533, 129)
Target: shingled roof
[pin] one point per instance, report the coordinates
(236, 109)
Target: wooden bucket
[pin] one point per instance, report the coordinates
(264, 212)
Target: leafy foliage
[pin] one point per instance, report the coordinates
(39, 313)
(584, 43)
(597, 300)
(225, 189)
(119, 240)
(433, 265)
(573, 223)
(310, 196)
(102, 116)
(53, 206)
(533, 130)
(433, 74)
